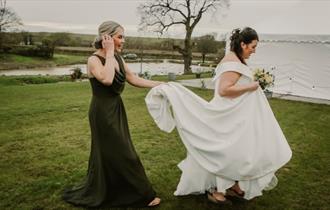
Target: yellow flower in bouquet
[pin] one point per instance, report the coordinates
(264, 78)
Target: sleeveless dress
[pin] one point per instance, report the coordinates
(227, 140)
(115, 177)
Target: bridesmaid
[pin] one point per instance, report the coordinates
(115, 177)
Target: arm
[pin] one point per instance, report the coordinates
(228, 87)
(106, 73)
(138, 81)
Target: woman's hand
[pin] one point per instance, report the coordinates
(254, 86)
(160, 82)
(108, 45)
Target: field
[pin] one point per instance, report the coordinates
(45, 142)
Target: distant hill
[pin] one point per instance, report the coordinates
(86, 40)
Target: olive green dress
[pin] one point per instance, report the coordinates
(115, 177)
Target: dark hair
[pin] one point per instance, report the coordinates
(247, 35)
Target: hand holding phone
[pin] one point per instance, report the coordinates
(108, 43)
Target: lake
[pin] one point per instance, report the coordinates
(154, 69)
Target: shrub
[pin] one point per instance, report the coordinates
(43, 50)
(35, 79)
(76, 73)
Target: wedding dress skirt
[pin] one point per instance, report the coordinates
(227, 140)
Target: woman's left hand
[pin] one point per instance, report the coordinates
(160, 82)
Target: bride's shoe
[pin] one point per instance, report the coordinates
(232, 193)
(213, 199)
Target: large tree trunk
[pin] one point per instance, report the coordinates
(187, 55)
(0, 40)
(187, 64)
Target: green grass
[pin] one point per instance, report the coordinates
(45, 141)
(11, 61)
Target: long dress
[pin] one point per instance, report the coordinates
(115, 177)
(227, 140)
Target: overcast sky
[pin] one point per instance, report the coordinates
(84, 16)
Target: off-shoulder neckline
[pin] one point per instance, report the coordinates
(237, 62)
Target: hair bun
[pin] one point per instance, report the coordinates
(236, 31)
(235, 34)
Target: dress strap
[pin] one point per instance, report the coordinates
(102, 59)
(120, 63)
(118, 58)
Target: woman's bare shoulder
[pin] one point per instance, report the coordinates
(94, 61)
(93, 58)
(230, 57)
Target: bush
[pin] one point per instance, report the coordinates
(43, 50)
(5, 48)
(76, 73)
(36, 79)
(145, 75)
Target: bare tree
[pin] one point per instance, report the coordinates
(8, 19)
(160, 15)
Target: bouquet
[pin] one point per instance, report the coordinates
(264, 78)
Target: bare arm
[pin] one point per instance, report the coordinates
(228, 87)
(138, 81)
(106, 73)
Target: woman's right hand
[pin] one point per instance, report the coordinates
(254, 86)
(108, 44)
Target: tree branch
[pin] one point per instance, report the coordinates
(8, 17)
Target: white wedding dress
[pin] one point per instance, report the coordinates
(227, 140)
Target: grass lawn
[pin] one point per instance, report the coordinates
(45, 141)
(11, 61)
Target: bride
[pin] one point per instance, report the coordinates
(234, 143)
